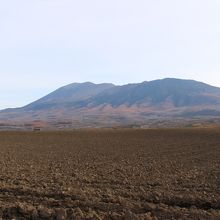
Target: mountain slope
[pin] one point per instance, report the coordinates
(92, 104)
(179, 92)
(68, 94)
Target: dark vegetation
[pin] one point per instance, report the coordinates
(110, 174)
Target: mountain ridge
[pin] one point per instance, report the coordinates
(134, 90)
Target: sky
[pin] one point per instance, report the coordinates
(46, 44)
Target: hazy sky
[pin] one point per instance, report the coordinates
(45, 44)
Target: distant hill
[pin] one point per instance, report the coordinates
(92, 104)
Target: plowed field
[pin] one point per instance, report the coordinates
(110, 174)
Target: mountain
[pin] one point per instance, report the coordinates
(89, 104)
(178, 92)
(69, 94)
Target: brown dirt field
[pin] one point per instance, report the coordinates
(110, 174)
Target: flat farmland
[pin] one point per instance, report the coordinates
(110, 174)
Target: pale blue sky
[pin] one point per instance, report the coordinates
(46, 44)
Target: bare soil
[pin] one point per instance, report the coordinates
(110, 174)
